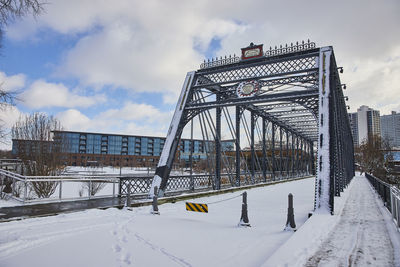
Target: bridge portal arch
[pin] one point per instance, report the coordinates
(290, 97)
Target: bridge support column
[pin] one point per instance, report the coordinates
(297, 156)
(302, 156)
(191, 157)
(264, 160)
(312, 167)
(237, 144)
(292, 160)
(325, 181)
(253, 153)
(217, 180)
(273, 151)
(280, 153)
(287, 155)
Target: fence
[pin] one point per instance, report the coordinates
(390, 195)
(85, 186)
(181, 183)
(63, 188)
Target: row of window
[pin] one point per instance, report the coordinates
(124, 145)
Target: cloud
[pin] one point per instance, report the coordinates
(148, 46)
(12, 83)
(8, 117)
(132, 118)
(73, 119)
(44, 94)
(136, 58)
(375, 82)
(123, 46)
(136, 112)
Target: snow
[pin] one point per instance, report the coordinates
(176, 237)
(78, 170)
(357, 233)
(323, 172)
(9, 202)
(106, 170)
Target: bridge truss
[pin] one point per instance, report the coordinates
(286, 105)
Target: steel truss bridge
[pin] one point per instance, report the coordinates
(284, 111)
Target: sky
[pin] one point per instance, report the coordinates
(118, 66)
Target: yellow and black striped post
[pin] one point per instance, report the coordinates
(196, 207)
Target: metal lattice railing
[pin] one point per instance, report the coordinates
(141, 185)
(184, 183)
(390, 196)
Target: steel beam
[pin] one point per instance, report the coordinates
(237, 144)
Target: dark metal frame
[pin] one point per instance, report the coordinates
(287, 104)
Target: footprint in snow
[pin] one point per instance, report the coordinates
(117, 248)
(126, 258)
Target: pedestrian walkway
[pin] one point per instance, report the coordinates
(361, 237)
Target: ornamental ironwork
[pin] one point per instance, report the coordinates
(278, 50)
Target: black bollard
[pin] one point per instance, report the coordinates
(290, 224)
(155, 202)
(128, 195)
(244, 219)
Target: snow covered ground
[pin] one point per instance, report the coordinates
(180, 238)
(360, 238)
(115, 170)
(175, 238)
(361, 233)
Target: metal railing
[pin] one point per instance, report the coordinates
(390, 195)
(140, 185)
(64, 187)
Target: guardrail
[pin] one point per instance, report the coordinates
(60, 188)
(390, 195)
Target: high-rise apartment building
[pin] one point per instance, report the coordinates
(353, 118)
(390, 127)
(364, 122)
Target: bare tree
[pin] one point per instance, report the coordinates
(42, 156)
(373, 155)
(6, 98)
(92, 187)
(12, 9)
(9, 11)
